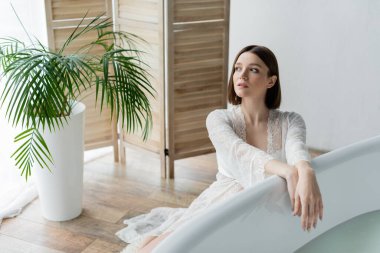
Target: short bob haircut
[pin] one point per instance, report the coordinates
(273, 95)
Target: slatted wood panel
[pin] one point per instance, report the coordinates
(197, 72)
(199, 10)
(62, 16)
(145, 19)
(73, 9)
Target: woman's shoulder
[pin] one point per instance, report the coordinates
(289, 116)
(231, 110)
(229, 114)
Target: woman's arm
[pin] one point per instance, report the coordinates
(307, 199)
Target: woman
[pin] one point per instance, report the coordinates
(252, 140)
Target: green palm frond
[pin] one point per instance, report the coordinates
(32, 148)
(9, 47)
(40, 84)
(123, 88)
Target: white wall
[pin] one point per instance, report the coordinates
(329, 57)
(32, 14)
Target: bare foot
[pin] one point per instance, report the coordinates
(154, 241)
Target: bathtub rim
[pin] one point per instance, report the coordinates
(259, 192)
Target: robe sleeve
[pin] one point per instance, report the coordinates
(295, 144)
(242, 161)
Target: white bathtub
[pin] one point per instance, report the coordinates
(259, 219)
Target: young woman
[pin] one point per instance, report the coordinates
(252, 140)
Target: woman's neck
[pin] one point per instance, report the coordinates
(255, 112)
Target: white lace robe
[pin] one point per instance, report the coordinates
(240, 165)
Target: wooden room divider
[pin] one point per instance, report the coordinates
(188, 54)
(145, 19)
(197, 39)
(187, 51)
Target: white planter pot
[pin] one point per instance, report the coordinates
(60, 191)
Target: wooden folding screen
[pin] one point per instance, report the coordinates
(62, 16)
(144, 18)
(197, 73)
(195, 46)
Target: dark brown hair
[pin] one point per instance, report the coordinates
(273, 95)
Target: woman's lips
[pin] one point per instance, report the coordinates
(242, 85)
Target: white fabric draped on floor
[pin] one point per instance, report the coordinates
(15, 192)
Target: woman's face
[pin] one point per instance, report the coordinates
(251, 77)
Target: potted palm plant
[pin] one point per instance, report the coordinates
(40, 89)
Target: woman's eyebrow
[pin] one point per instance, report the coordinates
(255, 64)
(251, 64)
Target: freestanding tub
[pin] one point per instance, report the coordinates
(259, 219)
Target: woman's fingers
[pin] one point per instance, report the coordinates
(292, 202)
(320, 209)
(310, 217)
(311, 210)
(316, 214)
(297, 208)
(304, 216)
(291, 195)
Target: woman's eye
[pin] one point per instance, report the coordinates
(254, 70)
(237, 68)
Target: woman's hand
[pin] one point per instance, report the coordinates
(303, 189)
(308, 200)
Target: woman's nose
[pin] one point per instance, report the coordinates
(243, 75)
